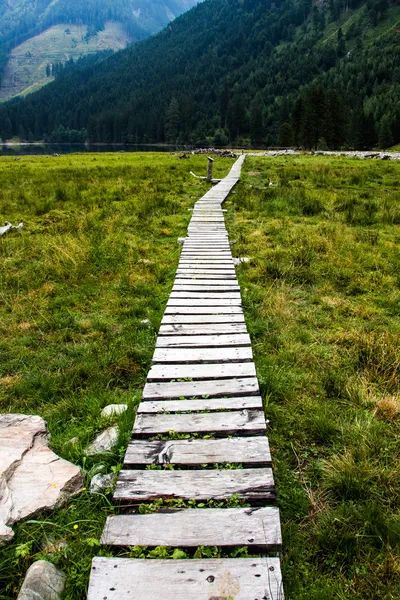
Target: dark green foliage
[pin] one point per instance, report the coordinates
(253, 68)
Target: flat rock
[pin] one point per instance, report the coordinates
(114, 409)
(43, 581)
(104, 442)
(32, 477)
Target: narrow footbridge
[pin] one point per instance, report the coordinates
(202, 382)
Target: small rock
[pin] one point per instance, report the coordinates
(52, 547)
(145, 322)
(114, 409)
(42, 582)
(181, 241)
(104, 442)
(145, 261)
(240, 260)
(100, 483)
(72, 442)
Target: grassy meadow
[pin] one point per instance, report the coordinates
(96, 259)
(83, 288)
(322, 303)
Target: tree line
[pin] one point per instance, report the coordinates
(283, 73)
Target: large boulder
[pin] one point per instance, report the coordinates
(32, 477)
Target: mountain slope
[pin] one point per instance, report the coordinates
(279, 72)
(22, 21)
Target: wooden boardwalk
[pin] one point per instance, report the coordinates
(202, 382)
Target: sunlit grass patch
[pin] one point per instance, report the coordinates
(83, 287)
(321, 298)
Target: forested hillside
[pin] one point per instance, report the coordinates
(323, 74)
(21, 20)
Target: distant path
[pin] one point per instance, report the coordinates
(202, 382)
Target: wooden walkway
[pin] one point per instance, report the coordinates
(202, 382)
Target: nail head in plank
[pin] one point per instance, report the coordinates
(221, 424)
(247, 451)
(139, 579)
(197, 527)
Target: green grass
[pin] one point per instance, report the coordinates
(322, 299)
(97, 256)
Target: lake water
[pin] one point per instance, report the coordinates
(45, 149)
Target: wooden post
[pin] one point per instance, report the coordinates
(210, 169)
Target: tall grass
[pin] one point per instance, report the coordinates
(82, 291)
(322, 297)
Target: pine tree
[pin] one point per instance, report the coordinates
(256, 122)
(6, 130)
(286, 135)
(172, 120)
(385, 139)
(341, 44)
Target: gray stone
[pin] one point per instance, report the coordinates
(181, 241)
(104, 442)
(240, 260)
(32, 477)
(114, 409)
(42, 582)
(101, 483)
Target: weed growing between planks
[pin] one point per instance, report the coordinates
(83, 288)
(322, 298)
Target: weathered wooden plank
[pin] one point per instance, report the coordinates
(188, 355)
(201, 371)
(224, 283)
(206, 237)
(214, 296)
(199, 287)
(223, 255)
(195, 302)
(195, 270)
(202, 310)
(225, 423)
(247, 386)
(138, 579)
(253, 485)
(206, 256)
(245, 451)
(197, 527)
(199, 275)
(202, 247)
(202, 329)
(203, 318)
(203, 341)
(209, 404)
(202, 263)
